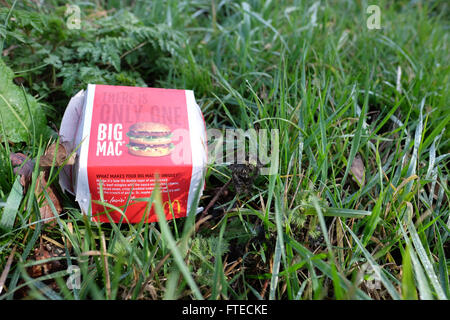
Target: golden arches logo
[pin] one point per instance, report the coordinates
(169, 204)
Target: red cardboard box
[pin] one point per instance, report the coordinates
(128, 140)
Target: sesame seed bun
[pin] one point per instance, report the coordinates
(150, 152)
(150, 127)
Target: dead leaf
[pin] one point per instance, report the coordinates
(46, 251)
(61, 156)
(24, 167)
(46, 209)
(25, 171)
(39, 270)
(19, 80)
(358, 170)
(17, 158)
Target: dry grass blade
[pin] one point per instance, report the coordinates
(7, 267)
(105, 262)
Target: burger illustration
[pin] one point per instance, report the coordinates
(150, 139)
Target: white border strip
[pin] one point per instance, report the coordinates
(197, 135)
(83, 195)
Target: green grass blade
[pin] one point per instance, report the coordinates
(167, 235)
(429, 270)
(378, 270)
(324, 267)
(12, 206)
(359, 130)
(219, 278)
(443, 271)
(408, 284)
(422, 282)
(276, 269)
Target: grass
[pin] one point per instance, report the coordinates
(335, 90)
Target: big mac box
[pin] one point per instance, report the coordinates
(129, 141)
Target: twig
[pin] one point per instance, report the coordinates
(199, 222)
(214, 199)
(204, 215)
